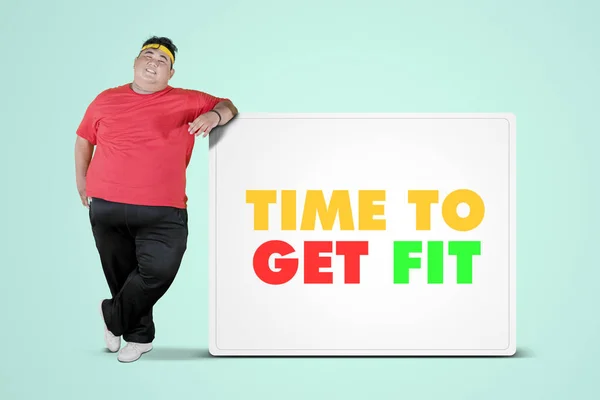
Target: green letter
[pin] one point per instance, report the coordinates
(435, 262)
(464, 264)
(402, 261)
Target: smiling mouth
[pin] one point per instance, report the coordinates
(151, 71)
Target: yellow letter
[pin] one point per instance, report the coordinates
(288, 210)
(315, 203)
(261, 200)
(423, 200)
(367, 210)
(476, 210)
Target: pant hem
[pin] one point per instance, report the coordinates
(137, 339)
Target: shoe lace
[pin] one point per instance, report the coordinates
(135, 346)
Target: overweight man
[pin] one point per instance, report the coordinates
(134, 185)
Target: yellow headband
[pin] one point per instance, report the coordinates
(160, 47)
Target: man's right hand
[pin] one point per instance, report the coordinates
(81, 190)
(83, 156)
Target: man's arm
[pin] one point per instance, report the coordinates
(83, 156)
(227, 111)
(207, 121)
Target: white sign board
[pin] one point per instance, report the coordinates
(363, 234)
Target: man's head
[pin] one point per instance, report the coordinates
(154, 64)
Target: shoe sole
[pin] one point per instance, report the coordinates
(130, 361)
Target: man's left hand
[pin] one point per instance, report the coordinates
(203, 124)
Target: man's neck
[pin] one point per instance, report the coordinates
(136, 88)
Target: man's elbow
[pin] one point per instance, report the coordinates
(234, 109)
(229, 104)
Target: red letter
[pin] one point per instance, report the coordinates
(352, 252)
(287, 267)
(313, 261)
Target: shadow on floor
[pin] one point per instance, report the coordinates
(186, 354)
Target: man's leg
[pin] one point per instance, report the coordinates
(161, 241)
(117, 250)
(143, 331)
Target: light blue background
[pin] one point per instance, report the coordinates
(537, 59)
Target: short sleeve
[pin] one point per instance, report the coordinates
(89, 124)
(207, 102)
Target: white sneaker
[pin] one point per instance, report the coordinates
(132, 351)
(113, 343)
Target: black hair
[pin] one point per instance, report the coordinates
(168, 43)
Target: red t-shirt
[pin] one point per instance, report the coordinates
(143, 146)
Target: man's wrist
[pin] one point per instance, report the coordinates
(218, 114)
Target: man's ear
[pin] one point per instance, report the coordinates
(172, 73)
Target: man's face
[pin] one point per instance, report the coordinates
(153, 67)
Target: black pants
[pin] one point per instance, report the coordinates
(141, 248)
